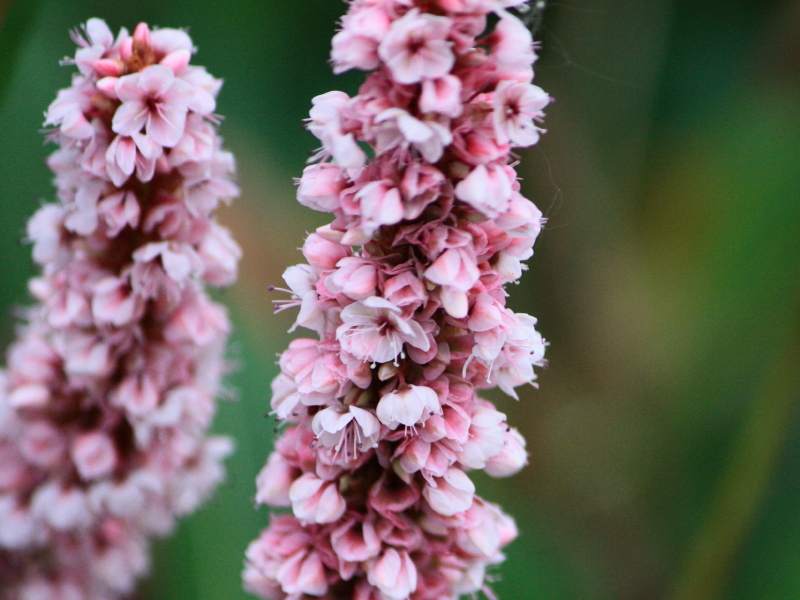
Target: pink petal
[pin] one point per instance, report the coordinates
(130, 117)
(156, 80)
(127, 88)
(165, 125)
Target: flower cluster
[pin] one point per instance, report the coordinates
(405, 290)
(111, 384)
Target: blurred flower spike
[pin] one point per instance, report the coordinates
(405, 291)
(110, 386)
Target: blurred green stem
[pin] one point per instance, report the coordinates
(744, 483)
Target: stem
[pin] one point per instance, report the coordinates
(744, 483)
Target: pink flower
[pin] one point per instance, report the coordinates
(516, 106)
(455, 268)
(486, 437)
(356, 45)
(394, 574)
(442, 96)
(511, 47)
(125, 154)
(322, 254)
(421, 185)
(487, 188)
(68, 112)
(153, 99)
(220, 255)
(399, 128)
(349, 430)
(356, 540)
(375, 330)
(450, 494)
(523, 349)
(405, 290)
(114, 302)
(380, 205)
(313, 371)
(94, 454)
(119, 210)
(303, 574)
(320, 186)
(511, 458)
(416, 47)
(326, 123)
(316, 500)
(522, 219)
(355, 277)
(408, 407)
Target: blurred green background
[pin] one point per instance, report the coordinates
(665, 438)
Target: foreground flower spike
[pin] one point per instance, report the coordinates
(111, 384)
(406, 292)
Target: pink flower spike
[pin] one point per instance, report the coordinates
(109, 388)
(406, 291)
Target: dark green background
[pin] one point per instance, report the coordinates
(665, 439)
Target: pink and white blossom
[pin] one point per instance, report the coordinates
(348, 430)
(406, 291)
(416, 47)
(516, 106)
(408, 407)
(154, 100)
(109, 388)
(376, 330)
(315, 500)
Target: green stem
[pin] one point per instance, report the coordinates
(744, 483)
